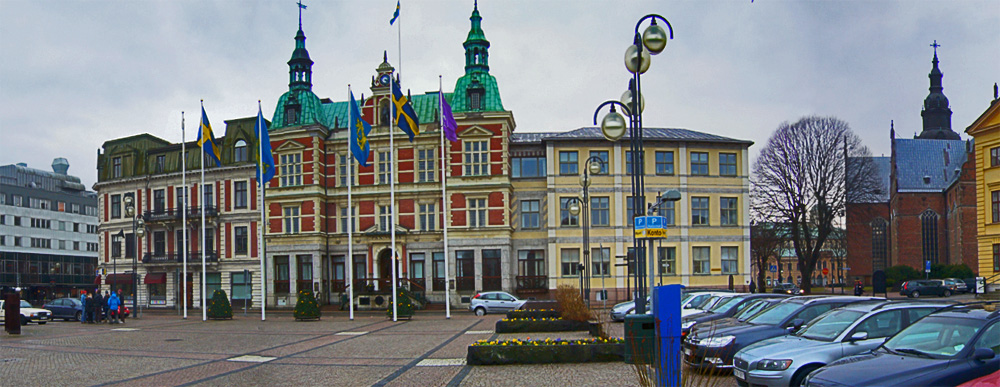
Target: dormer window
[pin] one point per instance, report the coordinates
(476, 98)
(240, 151)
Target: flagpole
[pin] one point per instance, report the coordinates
(263, 220)
(392, 197)
(184, 221)
(204, 311)
(444, 199)
(350, 208)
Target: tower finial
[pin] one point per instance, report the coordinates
(935, 45)
(475, 4)
(301, 7)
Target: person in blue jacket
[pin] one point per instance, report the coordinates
(113, 304)
(83, 303)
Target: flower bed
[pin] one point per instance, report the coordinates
(521, 325)
(515, 351)
(533, 313)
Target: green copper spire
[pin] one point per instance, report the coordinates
(298, 106)
(477, 90)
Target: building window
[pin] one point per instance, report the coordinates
(240, 194)
(291, 220)
(239, 282)
(305, 272)
(995, 156)
(664, 163)
(603, 156)
(207, 196)
(476, 98)
(492, 278)
(728, 214)
(731, 260)
(666, 210)
(531, 263)
(568, 164)
(929, 237)
(344, 218)
(996, 257)
(240, 151)
(629, 164)
(384, 167)
(74, 206)
(629, 212)
(425, 165)
(209, 242)
(384, 218)
(417, 266)
(476, 158)
(465, 270)
(213, 282)
(530, 215)
(281, 274)
(699, 211)
(159, 201)
(344, 173)
(667, 257)
(477, 212)
(240, 240)
(18, 201)
(427, 216)
(567, 219)
(290, 169)
(702, 259)
(159, 244)
(727, 164)
(699, 163)
(995, 196)
(161, 162)
(570, 262)
(600, 211)
(116, 167)
(116, 246)
(116, 206)
(600, 260)
(438, 271)
(528, 167)
(180, 194)
(879, 244)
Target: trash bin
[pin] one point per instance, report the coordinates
(640, 339)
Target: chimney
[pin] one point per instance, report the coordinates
(60, 165)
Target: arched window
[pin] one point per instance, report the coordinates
(929, 235)
(240, 151)
(383, 108)
(879, 244)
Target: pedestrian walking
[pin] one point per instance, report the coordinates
(113, 304)
(753, 287)
(88, 308)
(107, 310)
(98, 306)
(83, 303)
(121, 306)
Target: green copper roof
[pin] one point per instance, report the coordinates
(491, 93)
(477, 78)
(425, 105)
(476, 33)
(311, 110)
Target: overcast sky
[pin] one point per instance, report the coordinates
(74, 74)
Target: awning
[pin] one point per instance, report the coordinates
(97, 281)
(119, 279)
(156, 278)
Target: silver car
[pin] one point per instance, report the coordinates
(842, 332)
(494, 302)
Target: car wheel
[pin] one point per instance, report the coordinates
(916, 294)
(947, 293)
(42, 322)
(24, 320)
(800, 375)
(79, 316)
(480, 311)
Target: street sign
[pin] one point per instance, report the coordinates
(774, 268)
(650, 227)
(826, 271)
(927, 267)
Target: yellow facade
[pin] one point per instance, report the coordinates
(985, 132)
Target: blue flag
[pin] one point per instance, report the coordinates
(265, 161)
(206, 140)
(395, 15)
(359, 129)
(448, 124)
(406, 118)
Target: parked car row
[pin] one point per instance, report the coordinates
(63, 308)
(944, 288)
(839, 341)
(691, 303)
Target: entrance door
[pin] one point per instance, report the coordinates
(385, 270)
(190, 291)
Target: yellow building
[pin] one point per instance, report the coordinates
(985, 132)
(708, 237)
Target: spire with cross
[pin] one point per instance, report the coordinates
(935, 45)
(301, 7)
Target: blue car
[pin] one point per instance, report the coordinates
(946, 348)
(65, 308)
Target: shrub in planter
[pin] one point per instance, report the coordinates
(219, 307)
(306, 308)
(545, 351)
(534, 313)
(572, 304)
(404, 306)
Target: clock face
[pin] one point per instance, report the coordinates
(384, 79)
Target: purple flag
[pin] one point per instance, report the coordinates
(448, 123)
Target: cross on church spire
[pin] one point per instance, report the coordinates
(935, 45)
(301, 7)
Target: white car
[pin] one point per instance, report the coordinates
(28, 313)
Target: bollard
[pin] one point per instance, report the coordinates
(12, 316)
(667, 312)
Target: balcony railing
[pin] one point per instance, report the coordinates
(193, 257)
(532, 283)
(172, 215)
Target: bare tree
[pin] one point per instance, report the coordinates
(766, 238)
(803, 180)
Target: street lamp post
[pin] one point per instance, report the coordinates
(637, 60)
(138, 230)
(594, 166)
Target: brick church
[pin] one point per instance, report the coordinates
(927, 211)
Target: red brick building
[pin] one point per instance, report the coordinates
(928, 211)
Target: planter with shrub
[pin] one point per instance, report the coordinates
(306, 308)
(534, 313)
(219, 307)
(540, 325)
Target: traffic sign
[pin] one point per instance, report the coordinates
(650, 227)
(774, 268)
(927, 267)
(826, 271)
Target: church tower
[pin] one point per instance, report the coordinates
(299, 105)
(936, 112)
(477, 90)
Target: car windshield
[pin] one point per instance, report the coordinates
(707, 303)
(830, 325)
(934, 336)
(774, 314)
(25, 304)
(751, 309)
(725, 305)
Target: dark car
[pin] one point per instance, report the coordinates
(946, 348)
(917, 288)
(714, 346)
(787, 288)
(65, 308)
(725, 308)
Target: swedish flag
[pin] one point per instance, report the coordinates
(406, 118)
(206, 140)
